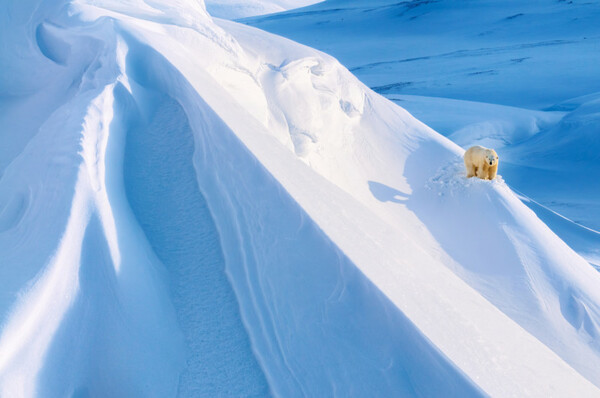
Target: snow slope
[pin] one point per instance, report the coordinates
(232, 9)
(255, 222)
(517, 76)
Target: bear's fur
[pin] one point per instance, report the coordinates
(481, 162)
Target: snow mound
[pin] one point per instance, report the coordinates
(452, 178)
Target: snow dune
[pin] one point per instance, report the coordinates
(196, 207)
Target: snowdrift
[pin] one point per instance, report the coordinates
(193, 207)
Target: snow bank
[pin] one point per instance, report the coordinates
(520, 259)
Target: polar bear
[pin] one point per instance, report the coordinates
(481, 162)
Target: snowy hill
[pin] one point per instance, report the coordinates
(503, 74)
(195, 207)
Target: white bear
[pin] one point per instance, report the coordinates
(481, 162)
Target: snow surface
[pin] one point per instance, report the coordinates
(195, 207)
(521, 77)
(233, 9)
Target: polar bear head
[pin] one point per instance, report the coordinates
(491, 157)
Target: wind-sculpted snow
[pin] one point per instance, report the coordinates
(456, 66)
(202, 209)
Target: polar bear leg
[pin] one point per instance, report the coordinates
(482, 173)
(493, 171)
(471, 171)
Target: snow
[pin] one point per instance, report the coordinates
(190, 206)
(493, 73)
(234, 9)
(470, 123)
(521, 78)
